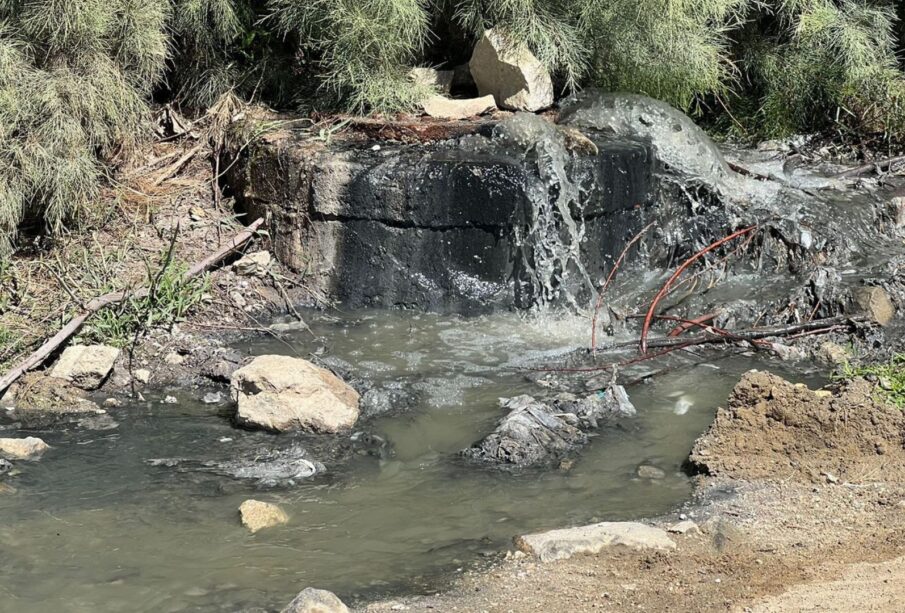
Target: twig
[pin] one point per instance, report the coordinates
(609, 279)
(645, 328)
(177, 165)
(113, 298)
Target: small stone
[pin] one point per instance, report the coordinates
(257, 515)
(197, 213)
(212, 398)
(311, 600)
(85, 366)
(897, 206)
(875, 302)
(112, 403)
(646, 471)
(255, 264)
(238, 299)
(833, 353)
(823, 393)
(441, 107)
(175, 358)
(831, 478)
(169, 400)
(29, 448)
(684, 527)
(142, 375)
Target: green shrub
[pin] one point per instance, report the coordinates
(890, 377)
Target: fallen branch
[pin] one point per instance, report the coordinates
(645, 328)
(687, 324)
(609, 279)
(860, 170)
(177, 165)
(44, 351)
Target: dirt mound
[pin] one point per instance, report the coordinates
(776, 430)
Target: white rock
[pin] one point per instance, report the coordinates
(85, 366)
(142, 375)
(510, 73)
(29, 448)
(255, 264)
(561, 544)
(439, 80)
(257, 515)
(282, 393)
(442, 107)
(684, 527)
(311, 600)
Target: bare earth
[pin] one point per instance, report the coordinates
(803, 510)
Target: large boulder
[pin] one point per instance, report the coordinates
(28, 448)
(561, 544)
(282, 393)
(311, 600)
(510, 73)
(85, 366)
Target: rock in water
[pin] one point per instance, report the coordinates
(562, 544)
(281, 393)
(510, 73)
(257, 515)
(442, 107)
(29, 448)
(86, 366)
(535, 433)
(311, 600)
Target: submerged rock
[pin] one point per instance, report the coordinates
(281, 393)
(510, 73)
(535, 433)
(38, 401)
(85, 366)
(28, 448)
(311, 600)
(562, 544)
(266, 467)
(256, 515)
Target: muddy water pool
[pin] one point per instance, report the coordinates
(94, 527)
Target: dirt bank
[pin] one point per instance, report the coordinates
(803, 509)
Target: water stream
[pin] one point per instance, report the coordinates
(94, 527)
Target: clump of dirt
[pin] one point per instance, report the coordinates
(776, 430)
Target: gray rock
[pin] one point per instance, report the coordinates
(28, 448)
(311, 600)
(535, 433)
(562, 544)
(85, 366)
(5, 466)
(212, 398)
(441, 107)
(281, 393)
(509, 72)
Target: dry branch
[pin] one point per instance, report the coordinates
(52, 344)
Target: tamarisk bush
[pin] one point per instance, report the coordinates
(77, 76)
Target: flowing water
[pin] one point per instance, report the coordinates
(94, 527)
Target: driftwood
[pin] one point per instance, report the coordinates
(879, 165)
(52, 344)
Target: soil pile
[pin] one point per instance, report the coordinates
(776, 430)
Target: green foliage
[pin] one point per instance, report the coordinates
(890, 377)
(168, 302)
(76, 76)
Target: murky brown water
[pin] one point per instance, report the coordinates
(94, 528)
